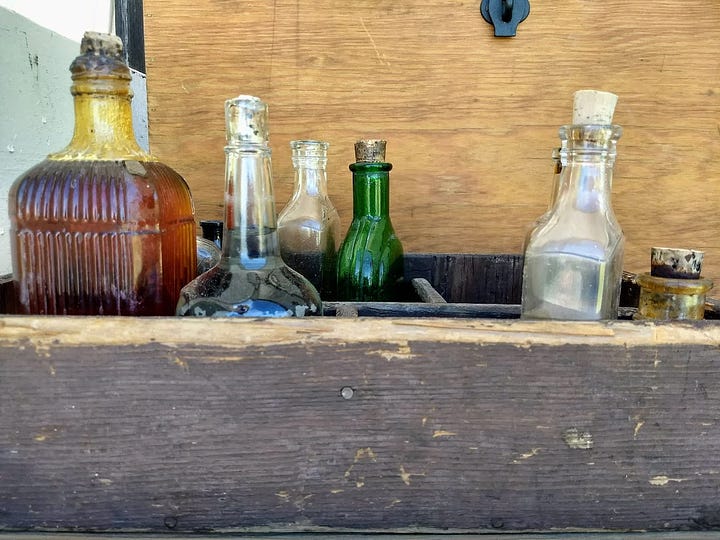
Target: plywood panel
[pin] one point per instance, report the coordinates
(471, 119)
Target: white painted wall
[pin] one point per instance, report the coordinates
(38, 41)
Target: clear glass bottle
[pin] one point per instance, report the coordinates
(309, 225)
(573, 262)
(208, 254)
(208, 245)
(251, 279)
(102, 227)
(555, 189)
(370, 261)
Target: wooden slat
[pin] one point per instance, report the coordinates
(471, 119)
(363, 424)
(335, 536)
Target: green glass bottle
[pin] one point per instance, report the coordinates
(370, 261)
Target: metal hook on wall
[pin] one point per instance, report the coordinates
(505, 15)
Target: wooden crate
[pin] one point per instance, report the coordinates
(366, 424)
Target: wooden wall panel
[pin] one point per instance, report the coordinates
(470, 118)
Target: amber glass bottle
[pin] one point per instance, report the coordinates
(102, 227)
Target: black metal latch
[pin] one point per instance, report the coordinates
(505, 15)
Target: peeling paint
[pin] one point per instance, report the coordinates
(527, 455)
(638, 426)
(578, 440)
(361, 453)
(406, 476)
(663, 480)
(403, 352)
(440, 433)
(182, 363)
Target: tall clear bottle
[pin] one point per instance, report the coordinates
(573, 262)
(251, 279)
(102, 227)
(309, 225)
(370, 262)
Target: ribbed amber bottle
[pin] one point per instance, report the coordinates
(102, 227)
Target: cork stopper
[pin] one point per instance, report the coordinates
(593, 107)
(101, 59)
(98, 43)
(370, 150)
(675, 263)
(246, 120)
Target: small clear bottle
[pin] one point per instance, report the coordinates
(208, 254)
(251, 279)
(208, 245)
(309, 225)
(573, 262)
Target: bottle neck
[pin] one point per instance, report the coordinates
(588, 158)
(103, 122)
(371, 189)
(310, 177)
(250, 234)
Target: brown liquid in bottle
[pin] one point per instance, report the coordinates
(101, 228)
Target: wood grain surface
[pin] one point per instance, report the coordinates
(705, 535)
(471, 119)
(389, 425)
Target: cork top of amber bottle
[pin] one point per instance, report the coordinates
(370, 151)
(100, 55)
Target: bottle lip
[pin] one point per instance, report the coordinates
(312, 150)
(299, 143)
(673, 285)
(603, 134)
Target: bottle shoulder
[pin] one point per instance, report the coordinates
(570, 225)
(102, 191)
(229, 290)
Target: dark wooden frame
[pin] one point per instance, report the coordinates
(130, 28)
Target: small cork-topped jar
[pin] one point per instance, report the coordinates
(673, 290)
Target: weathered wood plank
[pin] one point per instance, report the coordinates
(341, 536)
(360, 424)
